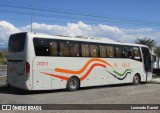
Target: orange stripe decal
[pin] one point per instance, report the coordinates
(81, 78)
(90, 69)
(83, 68)
(57, 76)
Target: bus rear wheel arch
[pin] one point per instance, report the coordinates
(136, 79)
(73, 83)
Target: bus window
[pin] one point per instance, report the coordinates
(16, 42)
(64, 49)
(41, 47)
(118, 52)
(85, 50)
(125, 52)
(131, 53)
(53, 46)
(103, 51)
(110, 51)
(74, 49)
(93, 50)
(136, 53)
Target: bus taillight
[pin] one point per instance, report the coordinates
(27, 68)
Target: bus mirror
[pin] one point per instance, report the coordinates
(154, 58)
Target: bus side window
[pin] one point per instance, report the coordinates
(64, 49)
(53, 48)
(41, 47)
(118, 52)
(131, 53)
(103, 51)
(85, 50)
(93, 50)
(136, 53)
(125, 52)
(74, 50)
(110, 51)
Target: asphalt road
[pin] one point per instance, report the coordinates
(123, 94)
(115, 94)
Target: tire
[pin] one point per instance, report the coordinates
(73, 84)
(136, 79)
(8, 85)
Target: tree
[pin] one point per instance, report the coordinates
(1, 55)
(157, 51)
(146, 41)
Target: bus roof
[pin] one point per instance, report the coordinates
(82, 38)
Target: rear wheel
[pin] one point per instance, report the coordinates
(136, 79)
(8, 85)
(73, 84)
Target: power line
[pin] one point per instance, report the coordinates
(64, 17)
(51, 16)
(148, 2)
(73, 13)
(86, 15)
(53, 21)
(22, 19)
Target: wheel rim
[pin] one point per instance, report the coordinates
(73, 84)
(136, 79)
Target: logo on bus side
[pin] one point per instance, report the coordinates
(42, 63)
(123, 64)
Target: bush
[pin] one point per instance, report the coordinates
(3, 58)
(3, 61)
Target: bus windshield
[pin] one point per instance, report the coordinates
(16, 42)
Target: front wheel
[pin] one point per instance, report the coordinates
(73, 84)
(136, 79)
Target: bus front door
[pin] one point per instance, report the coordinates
(147, 63)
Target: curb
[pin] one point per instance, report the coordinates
(155, 80)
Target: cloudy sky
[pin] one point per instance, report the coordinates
(125, 20)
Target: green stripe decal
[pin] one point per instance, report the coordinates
(119, 74)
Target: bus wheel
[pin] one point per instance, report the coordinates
(136, 79)
(73, 84)
(8, 85)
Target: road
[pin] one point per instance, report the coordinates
(115, 94)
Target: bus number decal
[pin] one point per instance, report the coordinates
(42, 63)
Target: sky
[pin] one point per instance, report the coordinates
(119, 20)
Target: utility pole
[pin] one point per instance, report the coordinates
(32, 15)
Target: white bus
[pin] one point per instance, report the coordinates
(44, 62)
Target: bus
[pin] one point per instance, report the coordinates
(44, 62)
